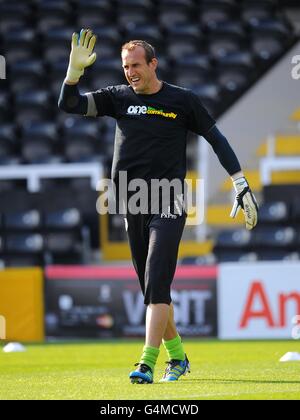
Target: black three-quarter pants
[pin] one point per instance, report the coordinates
(154, 241)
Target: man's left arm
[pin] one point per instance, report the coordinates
(244, 199)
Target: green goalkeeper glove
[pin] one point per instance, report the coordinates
(245, 200)
(81, 55)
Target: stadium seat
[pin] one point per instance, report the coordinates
(92, 13)
(238, 238)
(274, 237)
(68, 219)
(274, 212)
(210, 95)
(106, 78)
(149, 33)
(132, 12)
(27, 74)
(180, 48)
(111, 41)
(211, 14)
(32, 105)
(185, 32)
(57, 36)
(37, 152)
(232, 80)
(81, 129)
(191, 71)
(208, 259)
(270, 27)
(20, 54)
(23, 221)
(80, 151)
(53, 8)
(39, 130)
(266, 48)
(14, 14)
(21, 36)
(277, 255)
(220, 47)
(241, 60)
(24, 243)
(172, 13)
(253, 13)
(228, 29)
(235, 256)
(61, 243)
(64, 248)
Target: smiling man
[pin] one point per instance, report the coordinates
(139, 64)
(153, 118)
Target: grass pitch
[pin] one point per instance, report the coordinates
(98, 371)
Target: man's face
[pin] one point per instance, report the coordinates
(139, 74)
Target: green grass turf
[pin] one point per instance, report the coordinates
(219, 370)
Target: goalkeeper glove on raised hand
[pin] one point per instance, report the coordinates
(245, 199)
(81, 55)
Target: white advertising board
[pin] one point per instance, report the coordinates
(259, 300)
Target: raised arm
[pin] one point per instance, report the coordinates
(81, 56)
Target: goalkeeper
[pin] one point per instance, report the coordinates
(152, 122)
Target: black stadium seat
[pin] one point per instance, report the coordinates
(34, 152)
(38, 140)
(32, 105)
(274, 212)
(68, 219)
(232, 80)
(23, 221)
(233, 239)
(92, 13)
(19, 36)
(63, 247)
(235, 256)
(107, 72)
(27, 74)
(212, 14)
(267, 48)
(53, 8)
(81, 129)
(174, 12)
(220, 46)
(251, 14)
(149, 33)
(39, 130)
(111, 41)
(14, 13)
(274, 237)
(191, 71)
(132, 12)
(24, 243)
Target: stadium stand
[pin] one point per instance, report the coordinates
(218, 48)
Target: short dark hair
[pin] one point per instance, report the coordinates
(149, 50)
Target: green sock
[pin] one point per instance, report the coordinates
(149, 356)
(174, 348)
